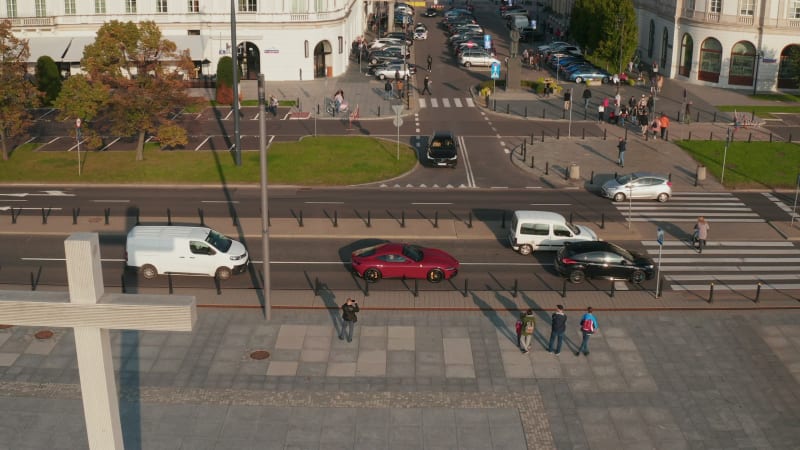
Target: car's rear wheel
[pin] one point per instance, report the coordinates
(662, 197)
(381, 77)
(576, 276)
(373, 61)
(579, 80)
(605, 80)
(619, 197)
(525, 249)
(637, 277)
(467, 64)
(149, 271)
(372, 275)
(435, 275)
(223, 273)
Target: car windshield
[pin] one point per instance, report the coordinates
(625, 179)
(413, 252)
(621, 251)
(572, 227)
(218, 241)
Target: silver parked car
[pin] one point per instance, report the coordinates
(638, 185)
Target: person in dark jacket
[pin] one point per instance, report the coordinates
(349, 319)
(557, 330)
(587, 95)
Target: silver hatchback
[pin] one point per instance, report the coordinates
(638, 185)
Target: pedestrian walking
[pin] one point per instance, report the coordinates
(273, 105)
(430, 62)
(687, 117)
(528, 327)
(621, 147)
(558, 326)
(655, 127)
(349, 319)
(588, 327)
(400, 89)
(387, 88)
(632, 102)
(601, 113)
(630, 66)
(587, 95)
(701, 233)
(426, 85)
(664, 121)
(518, 328)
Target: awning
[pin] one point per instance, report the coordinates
(46, 46)
(195, 44)
(74, 51)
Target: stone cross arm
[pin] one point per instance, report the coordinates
(112, 311)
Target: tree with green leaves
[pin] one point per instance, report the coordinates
(17, 91)
(48, 79)
(80, 98)
(144, 73)
(224, 94)
(791, 65)
(607, 29)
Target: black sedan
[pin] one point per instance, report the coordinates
(431, 12)
(601, 259)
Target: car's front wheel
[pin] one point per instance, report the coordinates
(576, 276)
(525, 249)
(637, 277)
(223, 273)
(381, 77)
(372, 275)
(619, 197)
(579, 80)
(435, 275)
(149, 271)
(467, 64)
(662, 197)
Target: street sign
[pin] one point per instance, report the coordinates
(660, 236)
(397, 109)
(487, 41)
(398, 121)
(495, 71)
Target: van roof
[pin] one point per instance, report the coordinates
(547, 216)
(144, 231)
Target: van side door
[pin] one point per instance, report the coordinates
(202, 258)
(535, 234)
(560, 236)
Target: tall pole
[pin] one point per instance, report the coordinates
(78, 139)
(755, 80)
(725, 156)
(237, 150)
(569, 126)
(262, 132)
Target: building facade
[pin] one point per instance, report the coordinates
(283, 39)
(740, 44)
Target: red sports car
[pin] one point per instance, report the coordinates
(392, 260)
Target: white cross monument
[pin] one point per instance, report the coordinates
(92, 313)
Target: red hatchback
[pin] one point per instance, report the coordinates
(394, 260)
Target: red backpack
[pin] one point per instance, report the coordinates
(587, 326)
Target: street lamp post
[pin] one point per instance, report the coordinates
(759, 55)
(621, 24)
(262, 133)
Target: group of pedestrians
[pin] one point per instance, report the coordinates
(526, 328)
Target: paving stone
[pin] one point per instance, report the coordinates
(278, 368)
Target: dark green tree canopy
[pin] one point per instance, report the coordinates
(607, 29)
(48, 79)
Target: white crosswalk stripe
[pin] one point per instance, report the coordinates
(686, 206)
(730, 265)
(777, 202)
(456, 102)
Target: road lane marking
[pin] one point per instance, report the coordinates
(467, 164)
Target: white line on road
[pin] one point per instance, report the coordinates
(110, 144)
(549, 204)
(110, 201)
(219, 201)
(728, 243)
(467, 165)
(324, 203)
(202, 143)
(430, 203)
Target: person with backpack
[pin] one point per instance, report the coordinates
(558, 328)
(528, 327)
(518, 328)
(588, 327)
(349, 319)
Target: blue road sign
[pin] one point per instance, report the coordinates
(660, 236)
(533, 24)
(487, 41)
(495, 70)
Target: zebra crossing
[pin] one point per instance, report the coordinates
(730, 265)
(434, 102)
(687, 206)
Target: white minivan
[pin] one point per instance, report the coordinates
(544, 230)
(184, 250)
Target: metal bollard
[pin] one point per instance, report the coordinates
(137, 216)
(690, 136)
(566, 173)
(403, 218)
(75, 212)
(531, 138)
(564, 288)
(544, 113)
(317, 108)
(202, 218)
(469, 219)
(758, 293)
(45, 215)
(494, 108)
(466, 287)
(542, 135)
(591, 178)
(613, 289)
(269, 219)
(217, 285)
(547, 168)
(532, 158)
(790, 138)
(106, 214)
(711, 293)
(235, 219)
(503, 219)
(515, 290)
(316, 286)
(169, 217)
(526, 111)
(122, 283)
(698, 116)
(379, 110)
(169, 283)
(583, 133)
(750, 138)
(436, 219)
(711, 136)
(416, 287)
(508, 108)
(770, 137)
(602, 220)
(300, 218)
(369, 219)
(335, 218)
(669, 177)
(558, 133)
(570, 217)
(605, 134)
(714, 119)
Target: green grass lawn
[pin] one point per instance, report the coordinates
(320, 161)
(784, 103)
(754, 165)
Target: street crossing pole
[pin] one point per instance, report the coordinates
(660, 239)
(78, 139)
(262, 128)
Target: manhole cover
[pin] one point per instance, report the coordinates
(259, 354)
(44, 334)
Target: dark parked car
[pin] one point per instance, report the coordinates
(443, 149)
(602, 259)
(431, 12)
(396, 260)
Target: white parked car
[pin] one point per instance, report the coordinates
(476, 57)
(383, 42)
(385, 71)
(420, 33)
(544, 230)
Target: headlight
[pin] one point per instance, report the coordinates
(237, 258)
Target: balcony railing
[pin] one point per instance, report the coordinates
(745, 20)
(22, 22)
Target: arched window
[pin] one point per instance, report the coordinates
(710, 60)
(789, 70)
(743, 64)
(651, 39)
(687, 48)
(664, 47)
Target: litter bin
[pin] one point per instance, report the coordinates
(574, 171)
(701, 173)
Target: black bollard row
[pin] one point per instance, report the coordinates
(45, 215)
(750, 138)
(202, 218)
(605, 134)
(711, 293)
(526, 111)
(469, 219)
(416, 287)
(169, 217)
(547, 168)
(515, 289)
(532, 160)
(591, 178)
(564, 288)
(583, 133)
(300, 218)
(436, 219)
(137, 217)
(403, 218)
(75, 212)
(235, 220)
(316, 286)
(369, 219)
(690, 136)
(602, 220)
(758, 293)
(503, 219)
(558, 133)
(466, 287)
(107, 214)
(335, 218)
(613, 289)
(542, 135)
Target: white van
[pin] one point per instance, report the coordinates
(544, 230)
(184, 250)
(518, 21)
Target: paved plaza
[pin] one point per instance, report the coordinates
(413, 380)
